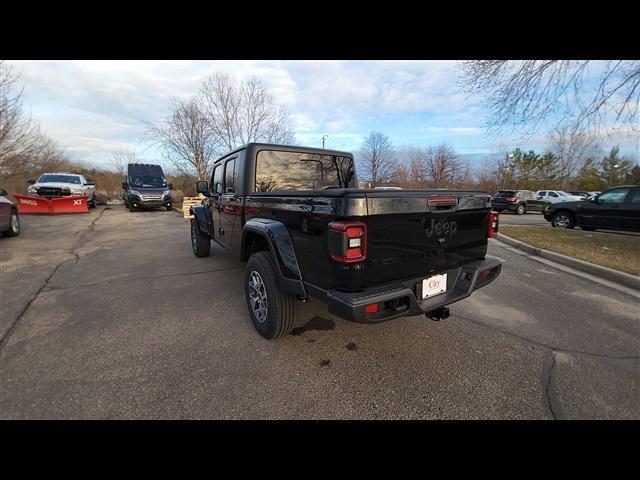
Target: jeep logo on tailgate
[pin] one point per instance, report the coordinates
(441, 230)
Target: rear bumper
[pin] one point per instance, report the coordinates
(401, 299)
(500, 207)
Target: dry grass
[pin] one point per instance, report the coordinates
(620, 252)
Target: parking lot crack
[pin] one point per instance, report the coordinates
(80, 242)
(551, 401)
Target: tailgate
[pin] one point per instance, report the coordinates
(424, 232)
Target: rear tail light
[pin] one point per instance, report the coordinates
(371, 308)
(493, 224)
(348, 241)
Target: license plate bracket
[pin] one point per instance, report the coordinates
(434, 285)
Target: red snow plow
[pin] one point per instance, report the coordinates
(51, 206)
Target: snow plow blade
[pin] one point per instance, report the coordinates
(51, 206)
(72, 204)
(32, 204)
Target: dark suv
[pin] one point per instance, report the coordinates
(518, 201)
(616, 209)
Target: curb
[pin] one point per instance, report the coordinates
(616, 276)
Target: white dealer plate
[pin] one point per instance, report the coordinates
(434, 285)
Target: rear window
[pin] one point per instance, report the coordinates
(506, 193)
(277, 170)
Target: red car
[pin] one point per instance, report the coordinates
(9, 219)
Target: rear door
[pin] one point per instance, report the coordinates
(533, 204)
(419, 232)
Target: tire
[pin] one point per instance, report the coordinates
(563, 219)
(520, 209)
(262, 288)
(92, 203)
(131, 208)
(14, 226)
(169, 209)
(200, 244)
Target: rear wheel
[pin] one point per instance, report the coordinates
(563, 220)
(272, 311)
(200, 244)
(520, 209)
(14, 226)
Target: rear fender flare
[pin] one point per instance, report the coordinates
(281, 246)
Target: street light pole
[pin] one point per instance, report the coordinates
(611, 173)
(323, 137)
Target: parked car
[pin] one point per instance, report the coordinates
(294, 216)
(555, 196)
(63, 184)
(616, 209)
(518, 201)
(146, 187)
(9, 218)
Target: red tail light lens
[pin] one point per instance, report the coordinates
(348, 241)
(371, 308)
(493, 224)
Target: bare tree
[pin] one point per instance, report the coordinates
(239, 113)
(120, 159)
(377, 159)
(187, 138)
(571, 149)
(19, 134)
(529, 92)
(444, 168)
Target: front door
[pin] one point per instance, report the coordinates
(607, 212)
(229, 206)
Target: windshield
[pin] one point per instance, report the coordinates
(59, 179)
(147, 181)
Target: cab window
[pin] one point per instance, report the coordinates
(230, 176)
(217, 179)
(614, 196)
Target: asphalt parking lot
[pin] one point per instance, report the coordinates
(110, 315)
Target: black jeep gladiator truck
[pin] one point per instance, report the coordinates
(295, 216)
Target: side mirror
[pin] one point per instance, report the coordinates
(31, 181)
(594, 199)
(170, 186)
(202, 187)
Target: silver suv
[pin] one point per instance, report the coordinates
(62, 185)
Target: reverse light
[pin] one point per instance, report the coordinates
(492, 229)
(348, 241)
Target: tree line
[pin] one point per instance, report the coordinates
(573, 161)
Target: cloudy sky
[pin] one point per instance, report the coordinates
(94, 108)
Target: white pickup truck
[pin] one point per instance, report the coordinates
(62, 185)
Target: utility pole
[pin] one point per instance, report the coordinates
(611, 174)
(323, 138)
